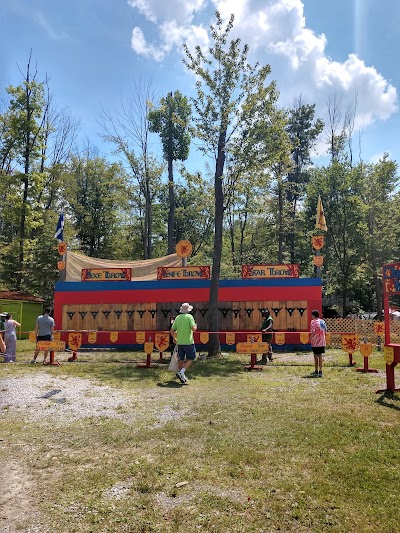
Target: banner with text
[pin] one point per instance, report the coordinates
(270, 271)
(184, 273)
(106, 274)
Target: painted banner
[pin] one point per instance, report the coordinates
(55, 346)
(113, 336)
(304, 338)
(270, 271)
(279, 337)
(74, 340)
(391, 278)
(106, 274)
(184, 273)
(140, 337)
(148, 347)
(365, 349)
(252, 347)
(162, 341)
(204, 337)
(254, 337)
(349, 342)
(379, 328)
(388, 354)
(318, 242)
(230, 339)
(92, 337)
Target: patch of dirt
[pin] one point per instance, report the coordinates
(17, 499)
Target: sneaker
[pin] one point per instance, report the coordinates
(33, 361)
(270, 358)
(320, 374)
(315, 374)
(181, 377)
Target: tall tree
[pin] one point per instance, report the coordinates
(231, 98)
(171, 121)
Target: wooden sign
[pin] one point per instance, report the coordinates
(148, 347)
(62, 248)
(318, 242)
(74, 340)
(57, 335)
(230, 339)
(140, 337)
(162, 341)
(318, 260)
(388, 354)
(184, 248)
(350, 342)
(204, 337)
(61, 265)
(92, 337)
(252, 347)
(270, 271)
(365, 349)
(304, 338)
(379, 328)
(184, 273)
(106, 274)
(55, 346)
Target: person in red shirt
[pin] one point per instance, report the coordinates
(318, 341)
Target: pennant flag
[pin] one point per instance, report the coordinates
(320, 222)
(60, 228)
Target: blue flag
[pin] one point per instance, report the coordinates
(60, 227)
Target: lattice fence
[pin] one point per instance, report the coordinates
(363, 328)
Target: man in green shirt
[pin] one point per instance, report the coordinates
(183, 328)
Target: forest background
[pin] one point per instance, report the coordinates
(253, 201)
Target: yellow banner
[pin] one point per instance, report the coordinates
(204, 337)
(113, 336)
(162, 341)
(320, 222)
(54, 346)
(148, 347)
(252, 347)
(304, 338)
(230, 339)
(388, 354)
(92, 337)
(32, 336)
(254, 337)
(379, 328)
(365, 349)
(349, 342)
(279, 337)
(140, 337)
(57, 335)
(74, 340)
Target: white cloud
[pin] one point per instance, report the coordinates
(277, 34)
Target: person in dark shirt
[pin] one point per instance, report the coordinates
(266, 329)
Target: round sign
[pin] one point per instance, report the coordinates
(318, 260)
(184, 248)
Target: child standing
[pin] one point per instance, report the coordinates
(318, 341)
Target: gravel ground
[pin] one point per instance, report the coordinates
(62, 400)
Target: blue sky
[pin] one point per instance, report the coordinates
(94, 50)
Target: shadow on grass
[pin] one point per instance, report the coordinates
(386, 398)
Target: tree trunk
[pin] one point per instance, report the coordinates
(214, 345)
(171, 212)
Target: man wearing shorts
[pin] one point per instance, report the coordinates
(44, 331)
(183, 328)
(318, 341)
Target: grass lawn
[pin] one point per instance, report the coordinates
(120, 448)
